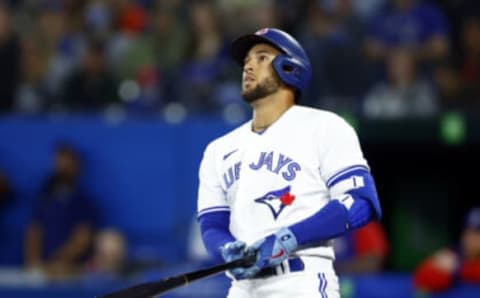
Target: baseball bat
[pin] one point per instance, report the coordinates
(154, 288)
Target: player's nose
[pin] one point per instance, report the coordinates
(248, 66)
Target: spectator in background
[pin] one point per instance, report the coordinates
(92, 86)
(363, 251)
(128, 19)
(205, 65)
(151, 60)
(7, 208)
(405, 94)
(53, 47)
(109, 254)
(458, 78)
(446, 267)
(97, 18)
(32, 95)
(9, 60)
(470, 66)
(333, 36)
(419, 26)
(368, 9)
(60, 233)
(449, 86)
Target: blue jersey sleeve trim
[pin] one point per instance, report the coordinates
(367, 192)
(212, 209)
(339, 175)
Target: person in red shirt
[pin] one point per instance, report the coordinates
(362, 251)
(440, 271)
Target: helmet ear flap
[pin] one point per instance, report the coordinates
(290, 71)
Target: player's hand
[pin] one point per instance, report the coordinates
(446, 260)
(233, 251)
(271, 251)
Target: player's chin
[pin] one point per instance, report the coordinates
(247, 90)
(247, 85)
(250, 96)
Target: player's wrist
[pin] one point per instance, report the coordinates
(287, 239)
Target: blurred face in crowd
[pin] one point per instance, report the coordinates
(203, 18)
(205, 25)
(263, 14)
(4, 20)
(33, 65)
(259, 79)
(401, 67)
(95, 60)
(471, 36)
(66, 163)
(446, 77)
(404, 4)
(52, 23)
(471, 243)
(162, 20)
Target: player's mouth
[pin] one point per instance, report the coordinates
(248, 78)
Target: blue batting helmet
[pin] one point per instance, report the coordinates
(292, 66)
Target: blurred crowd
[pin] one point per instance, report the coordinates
(64, 237)
(374, 58)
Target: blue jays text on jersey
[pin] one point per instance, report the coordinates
(276, 163)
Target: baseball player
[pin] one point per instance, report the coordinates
(285, 183)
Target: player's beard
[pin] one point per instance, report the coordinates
(264, 88)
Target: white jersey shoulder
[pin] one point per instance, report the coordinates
(306, 118)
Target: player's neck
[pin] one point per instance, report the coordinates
(268, 109)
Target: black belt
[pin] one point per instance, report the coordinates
(295, 264)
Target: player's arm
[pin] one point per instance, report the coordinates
(76, 245)
(349, 210)
(353, 196)
(436, 273)
(33, 245)
(354, 201)
(213, 211)
(214, 226)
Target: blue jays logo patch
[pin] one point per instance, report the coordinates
(277, 200)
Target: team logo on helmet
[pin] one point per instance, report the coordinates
(277, 200)
(262, 31)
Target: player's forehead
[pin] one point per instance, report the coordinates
(262, 48)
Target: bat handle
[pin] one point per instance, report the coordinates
(247, 261)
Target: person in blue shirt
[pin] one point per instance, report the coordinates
(59, 236)
(413, 24)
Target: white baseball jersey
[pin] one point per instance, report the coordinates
(279, 177)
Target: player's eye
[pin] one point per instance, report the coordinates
(262, 58)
